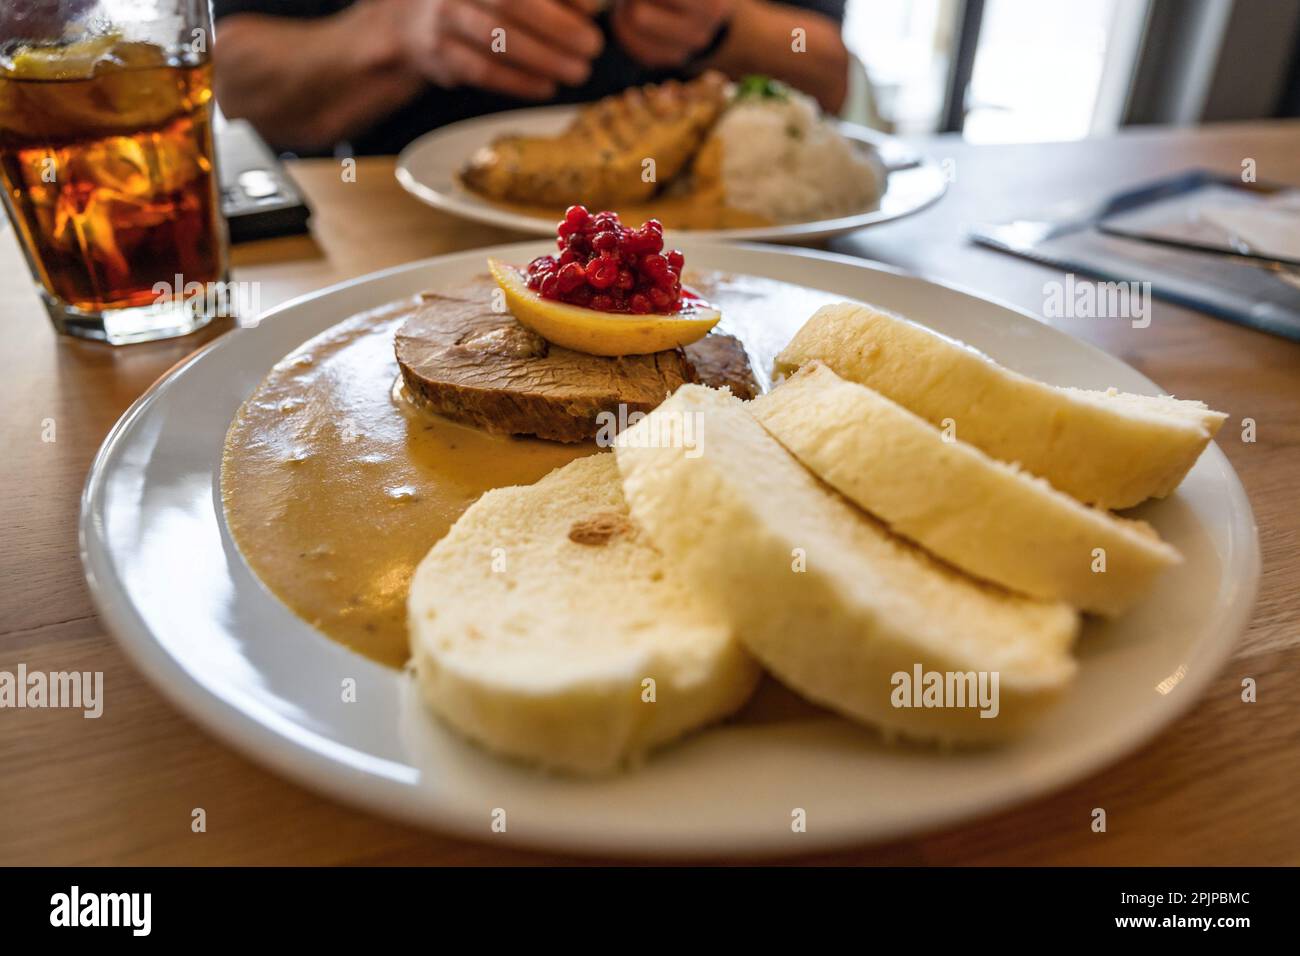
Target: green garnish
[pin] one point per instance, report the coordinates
(761, 87)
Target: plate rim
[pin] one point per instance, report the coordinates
(518, 222)
(260, 740)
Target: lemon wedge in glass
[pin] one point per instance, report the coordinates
(67, 61)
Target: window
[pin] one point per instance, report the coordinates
(1043, 69)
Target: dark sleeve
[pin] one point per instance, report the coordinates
(303, 9)
(830, 8)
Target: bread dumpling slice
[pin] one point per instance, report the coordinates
(832, 603)
(985, 516)
(1110, 449)
(539, 622)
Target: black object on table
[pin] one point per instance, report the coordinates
(259, 198)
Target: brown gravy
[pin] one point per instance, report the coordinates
(334, 487)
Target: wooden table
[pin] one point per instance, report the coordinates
(1216, 788)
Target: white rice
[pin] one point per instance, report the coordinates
(782, 161)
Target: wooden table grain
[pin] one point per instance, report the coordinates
(1217, 787)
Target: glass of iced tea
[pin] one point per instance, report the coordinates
(107, 163)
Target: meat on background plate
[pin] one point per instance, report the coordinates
(599, 157)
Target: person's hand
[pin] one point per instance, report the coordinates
(667, 33)
(544, 43)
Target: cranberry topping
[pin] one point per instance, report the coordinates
(602, 264)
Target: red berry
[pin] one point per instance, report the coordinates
(570, 277)
(655, 267)
(635, 243)
(603, 273)
(603, 264)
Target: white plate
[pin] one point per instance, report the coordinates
(170, 584)
(429, 169)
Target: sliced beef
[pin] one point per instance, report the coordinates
(598, 159)
(462, 360)
(719, 360)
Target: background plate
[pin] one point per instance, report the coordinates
(171, 586)
(428, 169)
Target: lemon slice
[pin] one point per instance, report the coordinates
(596, 332)
(68, 61)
